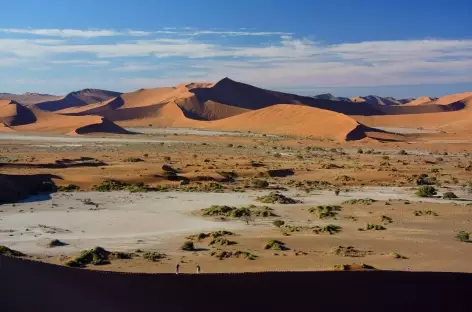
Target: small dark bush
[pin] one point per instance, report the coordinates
(449, 195)
(426, 191)
(278, 223)
(188, 246)
(463, 236)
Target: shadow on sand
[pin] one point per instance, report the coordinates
(33, 286)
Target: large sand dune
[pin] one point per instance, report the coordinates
(288, 119)
(78, 99)
(458, 121)
(15, 117)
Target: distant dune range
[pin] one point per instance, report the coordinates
(231, 105)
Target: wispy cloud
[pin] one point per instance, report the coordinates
(69, 33)
(283, 60)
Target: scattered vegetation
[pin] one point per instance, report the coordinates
(68, 188)
(418, 213)
(462, 236)
(325, 212)
(424, 179)
(349, 251)
(386, 220)
(95, 256)
(365, 201)
(426, 191)
(331, 229)
(372, 227)
(276, 198)
(275, 245)
(223, 254)
(154, 256)
(114, 185)
(239, 212)
(5, 251)
(222, 242)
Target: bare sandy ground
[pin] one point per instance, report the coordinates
(126, 221)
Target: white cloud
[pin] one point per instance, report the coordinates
(288, 62)
(68, 33)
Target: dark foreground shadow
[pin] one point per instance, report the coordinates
(32, 286)
(14, 188)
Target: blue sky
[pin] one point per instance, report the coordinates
(346, 47)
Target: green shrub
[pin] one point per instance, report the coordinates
(365, 201)
(426, 191)
(95, 256)
(275, 245)
(222, 242)
(373, 227)
(331, 229)
(153, 256)
(276, 198)
(325, 212)
(462, 236)
(68, 188)
(278, 223)
(449, 195)
(188, 246)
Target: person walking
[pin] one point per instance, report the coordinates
(177, 268)
(198, 269)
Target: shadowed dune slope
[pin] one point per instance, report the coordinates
(78, 99)
(241, 95)
(35, 286)
(14, 114)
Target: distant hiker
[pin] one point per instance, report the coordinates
(198, 269)
(177, 267)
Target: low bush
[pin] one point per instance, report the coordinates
(373, 227)
(386, 220)
(426, 191)
(365, 201)
(418, 213)
(449, 195)
(278, 223)
(275, 245)
(5, 251)
(132, 159)
(188, 246)
(68, 188)
(462, 236)
(56, 243)
(276, 198)
(331, 229)
(95, 256)
(153, 256)
(325, 212)
(222, 242)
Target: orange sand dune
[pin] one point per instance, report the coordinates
(13, 114)
(420, 101)
(286, 119)
(55, 123)
(15, 117)
(453, 121)
(448, 99)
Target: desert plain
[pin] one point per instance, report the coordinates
(235, 178)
